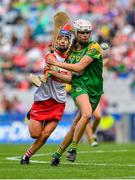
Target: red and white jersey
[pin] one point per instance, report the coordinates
(53, 88)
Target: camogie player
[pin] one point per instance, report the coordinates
(49, 101)
(87, 82)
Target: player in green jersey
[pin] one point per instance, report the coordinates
(87, 82)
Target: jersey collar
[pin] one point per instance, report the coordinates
(60, 54)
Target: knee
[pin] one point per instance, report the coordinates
(86, 115)
(35, 135)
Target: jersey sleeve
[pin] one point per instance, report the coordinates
(94, 51)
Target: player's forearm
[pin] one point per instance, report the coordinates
(105, 61)
(78, 67)
(71, 67)
(65, 78)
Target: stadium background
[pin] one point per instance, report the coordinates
(26, 29)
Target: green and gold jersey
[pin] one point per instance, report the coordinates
(91, 78)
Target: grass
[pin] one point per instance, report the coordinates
(108, 161)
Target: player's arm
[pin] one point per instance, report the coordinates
(105, 58)
(93, 52)
(105, 61)
(78, 67)
(67, 78)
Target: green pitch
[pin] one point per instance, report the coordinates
(104, 162)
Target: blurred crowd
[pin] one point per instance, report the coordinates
(26, 28)
(11, 106)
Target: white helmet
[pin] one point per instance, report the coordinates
(82, 25)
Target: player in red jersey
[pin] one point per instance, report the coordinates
(49, 101)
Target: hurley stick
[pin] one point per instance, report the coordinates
(60, 19)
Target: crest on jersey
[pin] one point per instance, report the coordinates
(78, 89)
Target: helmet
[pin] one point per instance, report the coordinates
(66, 33)
(82, 25)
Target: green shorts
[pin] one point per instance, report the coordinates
(94, 100)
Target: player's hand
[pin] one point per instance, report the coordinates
(51, 59)
(46, 68)
(51, 71)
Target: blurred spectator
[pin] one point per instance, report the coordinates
(2, 84)
(6, 104)
(104, 103)
(17, 105)
(20, 60)
(11, 106)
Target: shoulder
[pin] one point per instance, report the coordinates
(49, 54)
(94, 47)
(94, 50)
